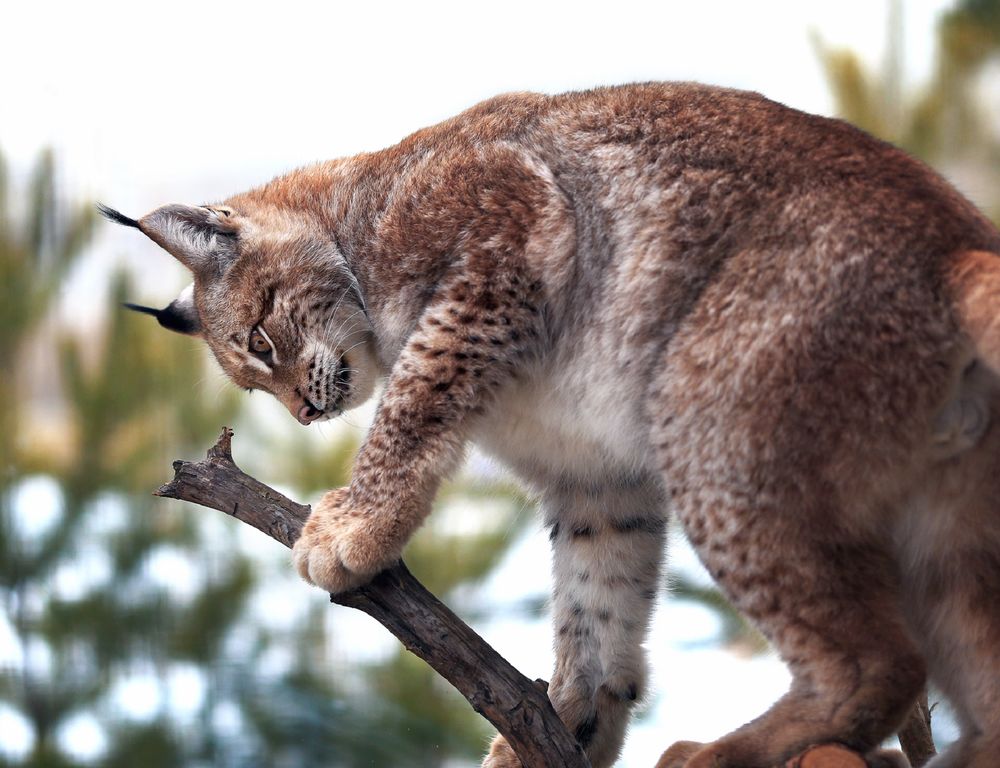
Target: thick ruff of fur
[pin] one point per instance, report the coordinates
(654, 300)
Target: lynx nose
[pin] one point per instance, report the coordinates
(308, 413)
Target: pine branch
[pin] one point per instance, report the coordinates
(516, 706)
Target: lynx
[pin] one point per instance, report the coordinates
(650, 301)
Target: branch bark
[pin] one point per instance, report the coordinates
(516, 706)
(915, 736)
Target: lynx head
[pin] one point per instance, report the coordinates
(274, 300)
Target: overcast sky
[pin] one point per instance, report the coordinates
(166, 96)
(148, 103)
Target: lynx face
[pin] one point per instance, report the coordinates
(279, 308)
(307, 346)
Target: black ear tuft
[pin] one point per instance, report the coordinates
(139, 308)
(119, 218)
(172, 317)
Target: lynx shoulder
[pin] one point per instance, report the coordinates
(652, 300)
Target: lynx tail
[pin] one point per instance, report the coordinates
(975, 286)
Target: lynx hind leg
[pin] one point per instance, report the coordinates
(950, 551)
(831, 611)
(778, 474)
(678, 755)
(608, 542)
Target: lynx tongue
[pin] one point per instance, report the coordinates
(308, 413)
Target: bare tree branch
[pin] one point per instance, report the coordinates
(516, 706)
(915, 736)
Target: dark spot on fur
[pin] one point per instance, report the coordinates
(631, 693)
(582, 531)
(604, 616)
(585, 731)
(267, 305)
(554, 532)
(639, 525)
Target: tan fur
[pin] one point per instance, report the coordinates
(650, 298)
(975, 284)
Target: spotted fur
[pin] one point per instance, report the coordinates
(645, 299)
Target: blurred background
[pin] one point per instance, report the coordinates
(137, 631)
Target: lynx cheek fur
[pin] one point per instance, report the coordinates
(651, 298)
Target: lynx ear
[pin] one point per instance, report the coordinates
(179, 315)
(202, 238)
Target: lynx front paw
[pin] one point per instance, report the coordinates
(501, 755)
(338, 548)
(678, 754)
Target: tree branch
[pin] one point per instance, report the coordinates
(516, 706)
(915, 736)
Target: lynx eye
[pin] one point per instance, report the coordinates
(260, 345)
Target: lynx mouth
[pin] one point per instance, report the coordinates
(309, 413)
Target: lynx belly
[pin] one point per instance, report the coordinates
(570, 423)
